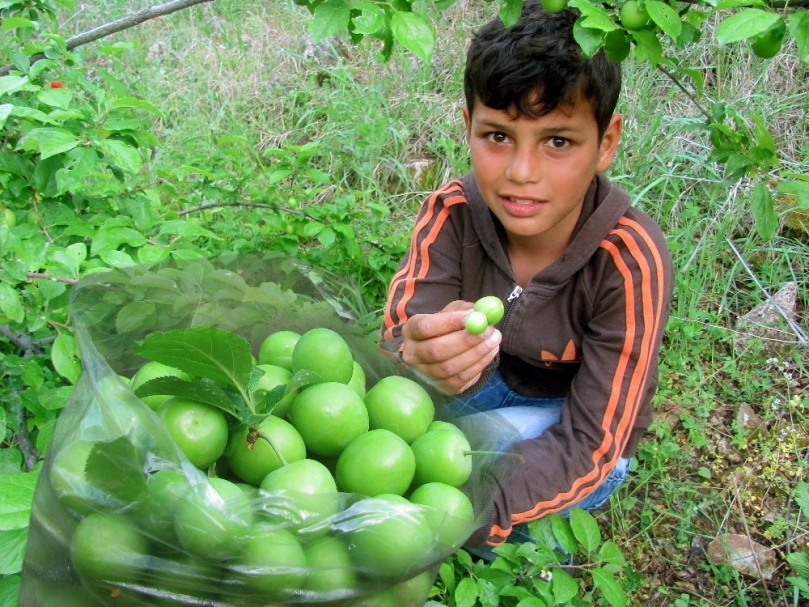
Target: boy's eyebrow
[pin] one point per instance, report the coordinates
(544, 131)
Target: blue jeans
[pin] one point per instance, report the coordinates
(514, 418)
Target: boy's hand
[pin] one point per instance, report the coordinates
(439, 347)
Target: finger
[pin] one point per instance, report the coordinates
(465, 379)
(464, 366)
(457, 305)
(428, 326)
(444, 348)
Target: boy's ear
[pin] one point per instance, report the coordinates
(609, 143)
(466, 118)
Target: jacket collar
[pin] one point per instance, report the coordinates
(604, 204)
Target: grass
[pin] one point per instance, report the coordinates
(247, 70)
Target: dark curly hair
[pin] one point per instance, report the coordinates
(536, 66)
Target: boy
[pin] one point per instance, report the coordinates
(585, 278)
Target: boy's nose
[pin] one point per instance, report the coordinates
(524, 167)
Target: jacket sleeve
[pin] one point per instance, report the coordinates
(613, 387)
(428, 277)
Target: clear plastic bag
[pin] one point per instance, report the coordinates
(122, 517)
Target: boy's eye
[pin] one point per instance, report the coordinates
(557, 142)
(498, 137)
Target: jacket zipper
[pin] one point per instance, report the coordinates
(512, 297)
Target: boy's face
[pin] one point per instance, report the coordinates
(534, 172)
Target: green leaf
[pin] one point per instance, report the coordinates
(413, 33)
(65, 357)
(151, 254)
(122, 155)
(134, 316)
(763, 137)
(466, 593)
(446, 573)
(202, 391)
(665, 17)
(48, 141)
(33, 114)
(799, 189)
(112, 237)
(611, 590)
(10, 457)
(208, 352)
(44, 180)
(590, 40)
(303, 378)
(563, 533)
(265, 401)
(44, 435)
(801, 584)
(186, 229)
(563, 586)
(800, 563)
(592, 16)
(585, 529)
(326, 237)
(58, 98)
(695, 75)
(5, 112)
(648, 46)
(71, 257)
(9, 590)
(610, 553)
(738, 164)
(79, 163)
(764, 213)
(798, 24)
(370, 20)
(510, 11)
(55, 398)
(16, 496)
(689, 34)
(723, 5)
(12, 84)
(114, 468)
(11, 303)
(32, 374)
(12, 23)
(278, 175)
(12, 550)
(330, 18)
(140, 104)
(117, 259)
(802, 498)
(312, 228)
(532, 601)
(747, 24)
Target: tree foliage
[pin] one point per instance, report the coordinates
(650, 30)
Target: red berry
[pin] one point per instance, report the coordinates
(57, 85)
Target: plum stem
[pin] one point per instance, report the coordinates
(258, 434)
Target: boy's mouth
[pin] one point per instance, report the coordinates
(522, 207)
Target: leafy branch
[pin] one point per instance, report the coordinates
(119, 25)
(777, 4)
(687, 93)
(29, 452)
(260, 205)
(24, 342)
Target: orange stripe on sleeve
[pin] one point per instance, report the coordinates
(636, 381)
(432, 220)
